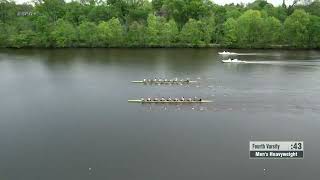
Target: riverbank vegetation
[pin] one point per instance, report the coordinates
(159, 23)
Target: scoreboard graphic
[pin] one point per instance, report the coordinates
(276, 149)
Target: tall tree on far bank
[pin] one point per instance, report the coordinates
(296, 29)
(64, 34)
(314, 32)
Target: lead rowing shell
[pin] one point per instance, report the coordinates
(165, 82)
(186, 101)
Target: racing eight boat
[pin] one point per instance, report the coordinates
(169, 100)
(164, 81)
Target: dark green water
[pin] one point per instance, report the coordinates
(64, 114)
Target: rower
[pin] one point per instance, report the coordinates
(156, 99)
(190, 99)
(149, 99)
(169, 99)
(144, 81)
(163, 99)
(176, 99)
(200, 99)
(182, 98)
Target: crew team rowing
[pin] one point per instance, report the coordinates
(172, 99)
(165, 80)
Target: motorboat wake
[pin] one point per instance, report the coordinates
(227, 53)
(233, 61)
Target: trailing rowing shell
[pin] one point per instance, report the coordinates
(152, 101)
(164, 82)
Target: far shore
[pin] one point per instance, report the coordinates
(174, 46)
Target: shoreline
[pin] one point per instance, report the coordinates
(210, 46)
(173, 46)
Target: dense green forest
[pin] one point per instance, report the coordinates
(159, 23)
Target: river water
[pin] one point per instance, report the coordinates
(64, 114)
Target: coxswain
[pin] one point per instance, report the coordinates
(142, 99)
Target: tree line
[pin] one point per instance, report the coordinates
(159, 23)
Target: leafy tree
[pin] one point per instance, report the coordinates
(88, 35)
(314, 8)
(182, 11)
(104, 33)
(169, 33)
(99, 13)
(75, 12)
(258, 5)
(120, 8)
(249, 29)
(296, 28)
(42, 29)
(116, 32)
(314, 32)
(8, 11)
(232, 12)
(63, 34)
(230, 32)
(154, 30)
(157, 4)
(160, 32)
(22, 39)
(4, 32)
(136, 34)
(208, 28)
(271, 30)
(279, 13)
(220, 14)
(191, 33)
(140, 23)
(54, 9)
(139, 11)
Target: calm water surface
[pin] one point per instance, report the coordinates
(64, 114)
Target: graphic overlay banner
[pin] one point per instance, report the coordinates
(276, 149)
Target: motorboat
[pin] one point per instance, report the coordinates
(233, 61)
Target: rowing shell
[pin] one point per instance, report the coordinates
(167, 82)
(145, 101)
